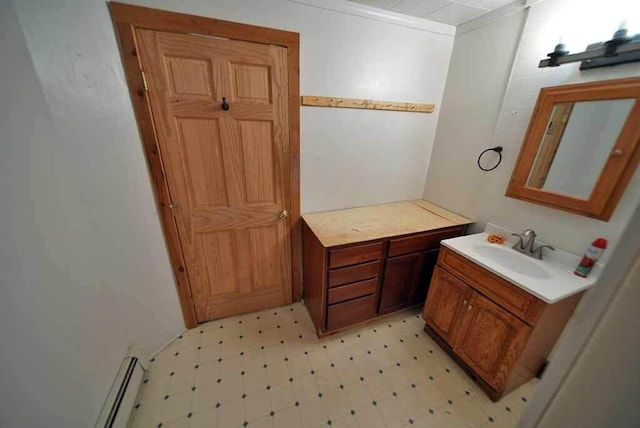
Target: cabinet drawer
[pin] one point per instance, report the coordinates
(353, 273)
(422, 242)
(522, 304)
(354, 255)
(348, 313)
(351, 291)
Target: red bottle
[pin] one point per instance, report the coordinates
(591, 257)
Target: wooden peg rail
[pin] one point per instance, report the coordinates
(312, 100)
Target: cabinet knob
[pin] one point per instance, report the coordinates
(469, 307)
(465, 302)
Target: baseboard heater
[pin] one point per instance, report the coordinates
(117, 409)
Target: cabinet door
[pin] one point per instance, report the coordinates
(447, 298)
(401, 276)
(490, 339)
(418, 293)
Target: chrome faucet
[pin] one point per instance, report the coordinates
(529, 247)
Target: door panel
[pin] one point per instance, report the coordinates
(225, 168)
(490, 339)
(189, 77)
(202, 161)
(265, 268)
(258, 161)
(220, 264)
(447, 298)
(250, 83)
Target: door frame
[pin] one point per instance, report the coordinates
(126, 19)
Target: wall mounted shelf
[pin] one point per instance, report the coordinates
(316, 101)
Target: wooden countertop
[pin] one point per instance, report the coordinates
(380, 221)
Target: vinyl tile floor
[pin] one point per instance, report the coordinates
(269, 369)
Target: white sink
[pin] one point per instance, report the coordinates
(551, 279)
(512, 260)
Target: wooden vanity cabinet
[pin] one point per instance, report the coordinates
(346, 285)
(500, 334)
(347, 281)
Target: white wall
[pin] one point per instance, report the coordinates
(603, 387)
(470, 111)
(85, 269)
(606, 301)
(349, 157)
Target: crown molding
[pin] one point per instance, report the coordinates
(376, 14)
(495, 15)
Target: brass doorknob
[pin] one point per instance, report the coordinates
(283, 215)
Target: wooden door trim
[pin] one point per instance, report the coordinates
(127, 19)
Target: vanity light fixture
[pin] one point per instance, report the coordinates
(619, 50)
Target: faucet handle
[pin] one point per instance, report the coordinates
(518, 245)
(540, 248)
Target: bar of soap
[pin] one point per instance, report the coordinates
(496, 239)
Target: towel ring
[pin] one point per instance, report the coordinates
(498, 150)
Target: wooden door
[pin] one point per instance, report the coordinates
(225, 168)
(490, 339)
(447, 299)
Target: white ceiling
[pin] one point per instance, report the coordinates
(449, 12)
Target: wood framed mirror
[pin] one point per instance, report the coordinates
(581, 148)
